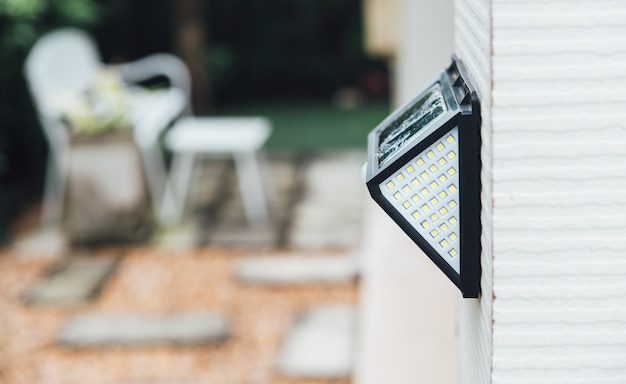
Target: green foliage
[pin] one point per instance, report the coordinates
(23, 21)
(314, 125)
(285, 48)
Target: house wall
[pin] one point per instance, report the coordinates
(554, 176)
(408, 330)
(380, 32)
(425, 45)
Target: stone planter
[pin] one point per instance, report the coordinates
(106, 196)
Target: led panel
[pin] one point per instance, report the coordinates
(423, 169)
(430, 204)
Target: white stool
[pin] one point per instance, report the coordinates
(240, 137)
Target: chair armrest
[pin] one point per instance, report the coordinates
(158, 64)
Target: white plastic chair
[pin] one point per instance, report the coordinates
(65, 62)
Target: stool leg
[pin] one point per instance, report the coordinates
(54, 193)
(251, 186)
(177, 188)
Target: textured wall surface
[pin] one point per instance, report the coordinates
(473, 46)
(559, 191)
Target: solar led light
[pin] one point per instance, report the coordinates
(423, 169)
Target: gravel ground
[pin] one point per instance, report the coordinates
(150, 281)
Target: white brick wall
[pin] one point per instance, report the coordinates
(554, 168)
(473, 46)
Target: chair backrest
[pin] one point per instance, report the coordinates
(63, 62)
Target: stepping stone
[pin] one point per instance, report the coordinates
(290, 269)
(229, 235)
(165, 382)
(330, 211)
(183, 237)
(123, 329)
(320, 344)
(47, 243)
(76, 281)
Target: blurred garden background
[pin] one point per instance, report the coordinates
(301, 63)
(225, 279)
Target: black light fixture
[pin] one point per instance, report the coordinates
(423, 169)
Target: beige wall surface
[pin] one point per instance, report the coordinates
(381, 27)
(409, 308)
(425, 45)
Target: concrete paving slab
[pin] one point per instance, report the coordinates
(339, 238)
(296, 269)
(244, 236)
(182, 237)
(320, 344)
(329, 213)
(76, 281)
(127, 329)
(48, 243)
(166, 382)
